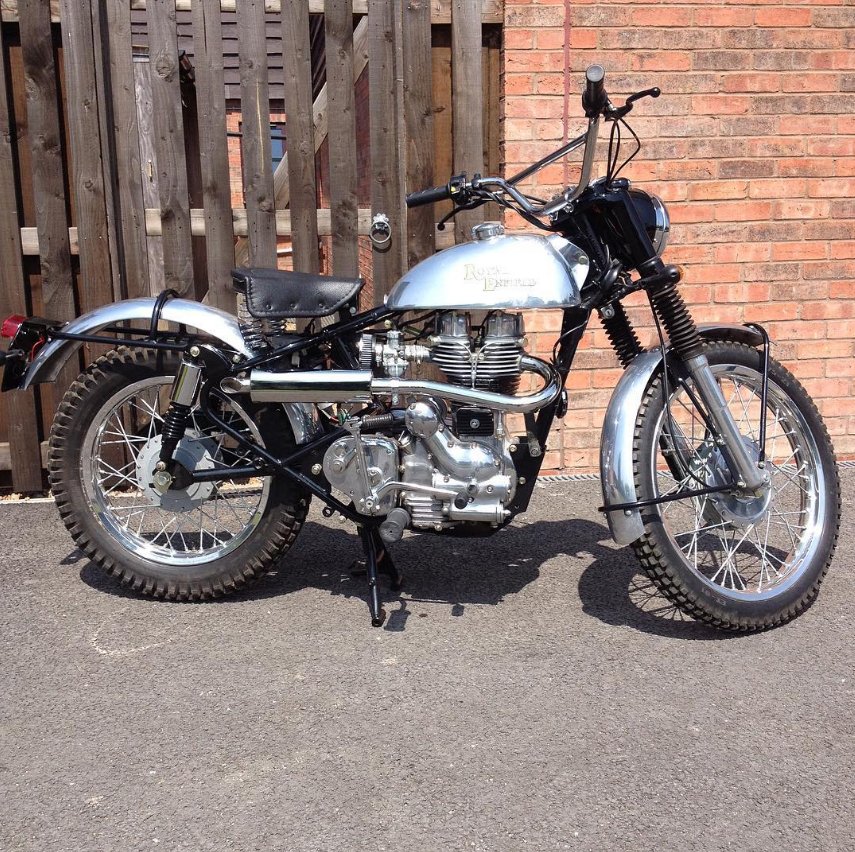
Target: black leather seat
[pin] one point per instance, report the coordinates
(274, 294)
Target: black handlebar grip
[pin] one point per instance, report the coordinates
(595, 97)
(428, 196)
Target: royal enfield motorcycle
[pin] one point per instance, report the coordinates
(183, 461)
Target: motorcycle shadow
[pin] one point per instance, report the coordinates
(459, 572)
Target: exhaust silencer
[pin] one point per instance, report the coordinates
(308, 386)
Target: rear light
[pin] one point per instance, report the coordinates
(11, 326)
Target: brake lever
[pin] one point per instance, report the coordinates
(616, 113)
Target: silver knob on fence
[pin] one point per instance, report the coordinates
(380, 231)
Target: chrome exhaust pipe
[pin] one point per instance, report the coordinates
(321, 386)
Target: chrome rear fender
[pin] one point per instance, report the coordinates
(616, 442)
(210, 321)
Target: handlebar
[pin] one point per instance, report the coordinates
(595, 98)
(595, 103)
(428, 196)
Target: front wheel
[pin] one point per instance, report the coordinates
(198, 539)
(734, 560)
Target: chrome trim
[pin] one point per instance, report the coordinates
(304, 420)
(663, 223)
(495, 401)
(310, 386)
(588, 160)
(735, 451)
(511, 272)
(616, 446)
(320, 386)
(186, 383)
(212, 321)
(386, 487)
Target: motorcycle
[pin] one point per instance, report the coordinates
(183, 462)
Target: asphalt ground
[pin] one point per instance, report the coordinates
(528, 692)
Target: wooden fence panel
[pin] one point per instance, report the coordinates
(87, 174)
(169, 146)
(297, 64)
(19, 409)
(255, 134)
(418, 110)
(214, 154)
(46, 146)
(124, 126)
(342, 135)
(385, 162)
(468, 110)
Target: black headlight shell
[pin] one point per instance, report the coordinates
(654, 215)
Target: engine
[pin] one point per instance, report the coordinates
(489, 360)
(447, 463)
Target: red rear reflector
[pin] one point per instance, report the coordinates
(11, 325)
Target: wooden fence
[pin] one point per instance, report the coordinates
(118, 150)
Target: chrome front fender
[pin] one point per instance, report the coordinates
(616, 442)
(616, 446)
(210, 321)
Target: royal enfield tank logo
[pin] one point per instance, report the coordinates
(494, 277)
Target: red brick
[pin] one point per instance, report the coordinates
(801, 209)
(781, 17)
(742, 253)
(581, 38)
(716, 189)
(751, 83)
(837, 309)
(662, 15)
(800, 251)
(742, 211)
(723, 17)
(720, 104)
(777, 188)
(770, 311)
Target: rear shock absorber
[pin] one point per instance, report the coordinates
(184, 390)
(620, 332)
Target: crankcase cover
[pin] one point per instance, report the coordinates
(344, 470)
(522, 272)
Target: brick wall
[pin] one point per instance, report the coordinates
(752, 146)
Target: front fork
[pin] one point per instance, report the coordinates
(748, 473)
(661, 286)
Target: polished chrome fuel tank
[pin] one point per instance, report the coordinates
(497, 272)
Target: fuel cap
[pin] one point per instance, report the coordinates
(487, 230)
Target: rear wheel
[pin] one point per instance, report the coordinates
(738, 561)
(196, 540)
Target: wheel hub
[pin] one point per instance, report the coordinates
(741, 510)
(194, 452)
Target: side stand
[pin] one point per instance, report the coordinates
(377, 560)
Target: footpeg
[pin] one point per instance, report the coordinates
(392, 529)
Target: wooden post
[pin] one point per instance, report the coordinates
(126, 134)
(45, 137)
(342, 136)
(385, 128)
(87, 170)
(214, 154)
(168, 123)
(466, 70)
(255, 133)
(418, 114)
(149, 171)
(299, 134)
(19, 408)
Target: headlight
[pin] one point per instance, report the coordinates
(655, 217)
